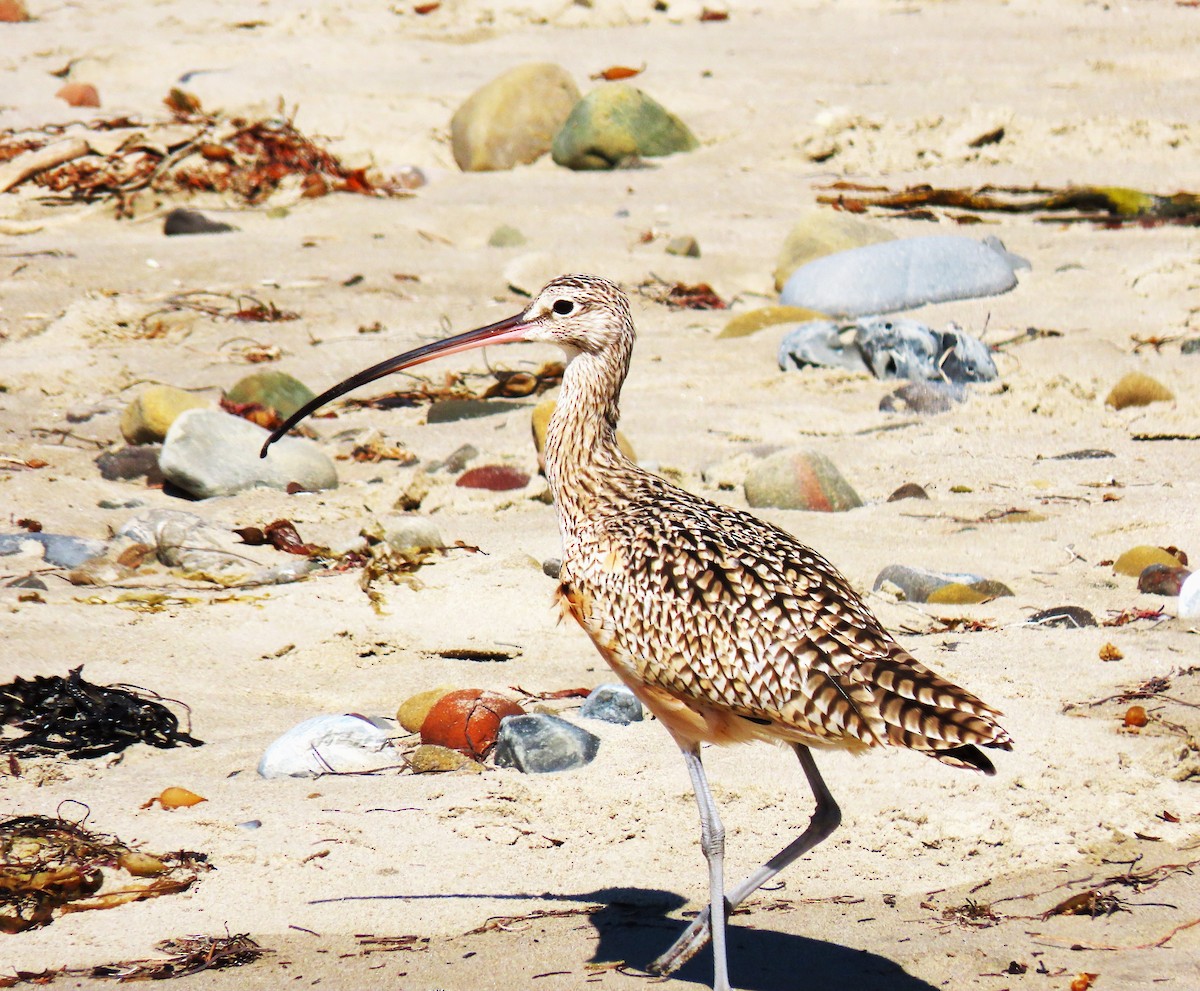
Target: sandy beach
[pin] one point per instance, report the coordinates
(503, 880)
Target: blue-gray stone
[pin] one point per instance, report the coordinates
(819, 344)
(612, 704)
(538, 744)
(896, 348)
(211, 453)
(902, 274)
(918, 584)
(57, 549)
(924, 398)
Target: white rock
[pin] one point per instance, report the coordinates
(328, 743)
(1189, 597)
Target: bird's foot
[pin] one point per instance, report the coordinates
(685, 947)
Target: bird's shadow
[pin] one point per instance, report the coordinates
(634, 926)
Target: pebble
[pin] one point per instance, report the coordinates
(27, 581)
(344, 743)
(799, 480)
(541, 744)
(923, 398)
(945, 587)
(139, 461)
(1068, 617)
(615, 123)
(552, 567)
(432, 759)
(821, 232)
(1137, 559)
(147, 419)
(272, 389)
(684, 246)
(1138, 389)
(211, 453)
(819, 344)
(1190, 347)
(909, 490)
(613, 703)
(1085, 454)
(79, 95)
(902, 274)
(184, 221)
(13, 12)
(453, 410)
(512, 120)
(457, 460)
(505, 236)
(415, 708)
(1162, 579)
(406, 534)
(1189, 598)
(58, 549)
(467, 720)
(494, 478)
(752, 321)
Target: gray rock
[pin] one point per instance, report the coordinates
(799, 480)
(612, 704)
(328, 743)
(552, 567)
(539, 744)
(57, 549)
(135, 461)
(27, 581)
(450, 410)
(896, 348)
(210, 453)
(924, 398)
(902, 274)
(513, 119)
(184, 221)
(819, 344)
(685, 246)
(923, 585)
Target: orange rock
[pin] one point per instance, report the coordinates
(13, 12)
(78, 94)
(467, 721)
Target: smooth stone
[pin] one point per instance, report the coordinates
(272, 389)
(1137, 559)
(184, 221)
(429, 758)
(344, 743)
(413, 710)
(819, 344)
(79, 95)
(512, 120)
(821, 232)
(612, 704)
(540, 744)
(922, 584)
(1162, 579)
(909, 490)
(1190, 347)
(135, 461)
(121, 503)
(752, 321)
(147, 419)
(799, 480)
(685, 246)
(1138, 389)
(493, 478)
(405, 534)
(617, 122)
(505, 236)
(458, 459)
(1069, 617)
(923, 398)
(902, 274)
(552, 567)
(1085, 454)
(540, 423)
(27, 581)
(58, 549)
(906, 349)
(1189, 598)
(452, 410)
(212, 453)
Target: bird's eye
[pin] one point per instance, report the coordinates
(563, 306)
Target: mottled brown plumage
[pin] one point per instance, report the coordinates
(726, 627)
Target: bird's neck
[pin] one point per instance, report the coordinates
(587, 472)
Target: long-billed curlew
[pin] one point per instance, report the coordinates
(726, 627)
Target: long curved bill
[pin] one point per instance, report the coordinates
(504, 331)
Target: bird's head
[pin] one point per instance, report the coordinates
(582, 314)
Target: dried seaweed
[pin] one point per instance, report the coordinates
(680, 296)
(74, 717)
(49, 867)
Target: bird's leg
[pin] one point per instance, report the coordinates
(825, 819)
(712, 842)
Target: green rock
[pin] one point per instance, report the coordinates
(273, 390)
(512, 120)
(1137, 559)
(822, 232)
(615, 123)
(147, 419)
(505, 236)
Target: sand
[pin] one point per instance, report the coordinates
(1100, 94)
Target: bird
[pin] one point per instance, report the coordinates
(725, 626)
